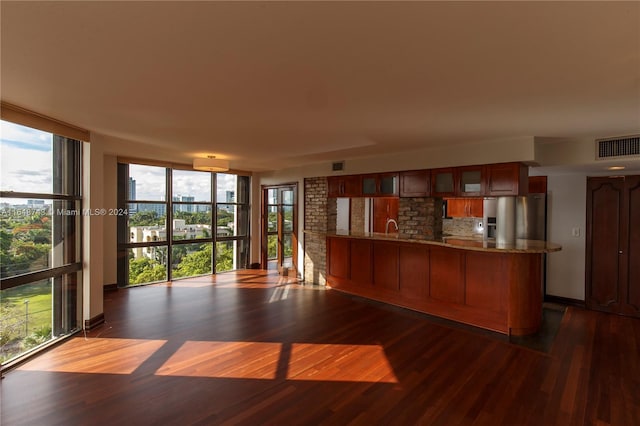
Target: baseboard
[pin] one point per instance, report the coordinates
(94, 322)
(564, 301)
(110, 287)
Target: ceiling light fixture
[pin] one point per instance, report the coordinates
(211, 164)
(615, 168)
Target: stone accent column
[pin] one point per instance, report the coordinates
(357, 215)
(316, 220)
(420, 218)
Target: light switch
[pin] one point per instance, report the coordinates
(575, 232)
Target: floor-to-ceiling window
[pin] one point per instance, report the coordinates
(40, 234)
(180, 223)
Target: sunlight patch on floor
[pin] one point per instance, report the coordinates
(240, 360)
(95, 355)
(260, 360)
(344, 363)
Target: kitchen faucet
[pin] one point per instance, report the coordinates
(386, 226)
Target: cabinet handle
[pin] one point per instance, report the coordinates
(620, 252)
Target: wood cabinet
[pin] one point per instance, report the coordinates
(443, 182)
(360, 262)
(447, 275)
(344, 186)
(470, 181)
(537, 184)
(506, 179)
(414, 268)
(415, 183)
(385, 265)
(496, 291)
(613, 245)
(384, 209)
(338, 255)
(464, 207)
(379, 185)
(466, 181)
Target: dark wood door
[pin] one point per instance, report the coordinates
(613, 245)
(630, 290)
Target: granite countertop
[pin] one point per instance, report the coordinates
(466, 243)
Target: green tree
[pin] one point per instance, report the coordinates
(224, 217)
(6, 239)
(156, 273)
(144, 270)
(190, 218)
(11, 323)
(196, 263)
(272, 247)
(146, 218)
(224, 257)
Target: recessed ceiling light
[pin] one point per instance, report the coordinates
(615, 168)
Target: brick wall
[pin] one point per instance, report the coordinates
(316, 219)
(420, 218)
(357, 215)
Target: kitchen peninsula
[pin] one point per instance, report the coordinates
(477, 282)
(380, 236)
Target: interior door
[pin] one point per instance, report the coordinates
(613, 245)
(279, 247)
(630, 290)
(604, 218)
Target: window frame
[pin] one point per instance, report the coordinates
(124, 244)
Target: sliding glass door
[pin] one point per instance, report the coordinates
(279, 236)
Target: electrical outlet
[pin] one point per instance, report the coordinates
(575, 232)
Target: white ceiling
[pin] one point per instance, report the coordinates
(270, 85)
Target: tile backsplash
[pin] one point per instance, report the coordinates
(462, 226)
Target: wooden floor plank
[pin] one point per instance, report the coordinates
(252, 347)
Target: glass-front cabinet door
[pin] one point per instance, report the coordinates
(470, 182)
(443, 182)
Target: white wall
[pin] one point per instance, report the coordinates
(93, 231)
(566, 210)
(110, 239)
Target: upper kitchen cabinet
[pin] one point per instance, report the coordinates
(344, 186)
(537, 184)
(379, 185)
(464, 207)
(415, 183)
(470, 181)
(443, 182)
(506, 179)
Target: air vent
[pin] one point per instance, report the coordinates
(337, 166)
(624, 147)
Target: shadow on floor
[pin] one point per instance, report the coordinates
(542, 341)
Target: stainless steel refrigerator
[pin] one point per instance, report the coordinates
(508, 218)
(531, 217)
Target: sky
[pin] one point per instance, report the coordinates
(150, 183)
(25, 159)
(26, 166)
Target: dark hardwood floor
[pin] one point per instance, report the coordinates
(254, 348)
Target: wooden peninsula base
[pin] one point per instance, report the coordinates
(465, 281)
